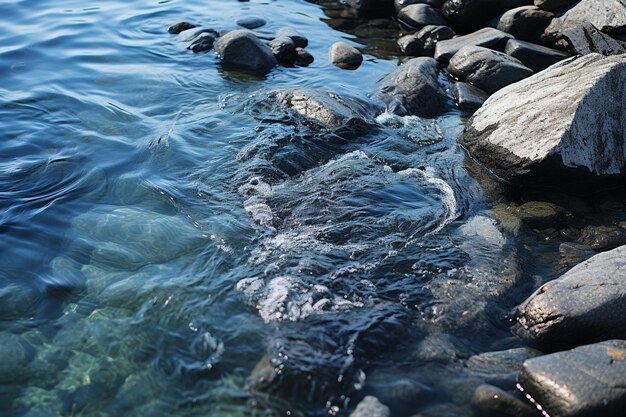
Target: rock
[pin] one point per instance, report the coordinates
(190, 35)
(345, 56)
(417, 16)
(471, 14)
(203, 42)
(535, 57)
(607, 15)
(303, 58)
(16, 355)
(487, 69)
(413, 88)
(371, 407)
(602, 238)
(411, 45)
(251, 22)
(468, 97)
(399, 4)
(284, 50)
(584, 305)
(430, 35)
(371, 7)
(539, 214)
(500, 363)
(526, 23)
(553, 5)
(586, 39)
(568, 116)
(588, 381)
(490, 401)
(179, 27)
(242, 50)
(298, 39)
(487, 37)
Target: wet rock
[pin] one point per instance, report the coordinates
(584, 305)
(203, 42)
(345, 56)
(602, 238)
(190, 34)
(578, 121)
(500, 363)
(371, 7)
(539, 214)
(607, 15)
(413, 88)
(284, 49)
(572, 254)
(242, 50)
(587, 381)
(298, 39)
(586, 39)
(179, 27)
(487, 37)
(553, 5)
(251, 22)
(526, 23)
(430, 35)
(471, 14)
(417, 16)
(399, 4)
(468, 97)
(490, 401)
(487, 69)
(371, 407)
(17, 301)
(303, 58)
(535, 57)
(16, 354)
(411, 45)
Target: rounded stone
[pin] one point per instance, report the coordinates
(345, 56)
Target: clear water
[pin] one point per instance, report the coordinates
(171, 246)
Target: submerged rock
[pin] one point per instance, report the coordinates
(251, 22)
(535, 57)
(588, 381)
(241, 49)
(585, 305)
(607, 15)
(345, 56)
(568, 116)
(179, 27)
(413, 88)
(487, 37)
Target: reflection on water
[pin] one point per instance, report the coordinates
(175, 244)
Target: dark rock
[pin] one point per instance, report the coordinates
(569, 119)
(251, 22)
(203, 42)
(586, 39)
(584, 305)
(298, 39)
(345, 56)
(411, 45)
(588, 381)
(500, 363)
(490, 401)
(553, 5)
(284, 50)
(535, 57)
(539, 214)
(602, 238)
(413, 88)
(16, 354)
(430, 35)
(467, 96)
(179, 27)
(371, 7)
(190, 34)
(487, 69)
(303, 58)
(469, 15)
(417, 16)
(606, 15)
(17, 301)
(399, 4)
(526, 23)
(487, 37)
(241, 49)
(371, 407)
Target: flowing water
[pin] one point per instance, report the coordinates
(173, 245)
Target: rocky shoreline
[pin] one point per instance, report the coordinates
(545, 84)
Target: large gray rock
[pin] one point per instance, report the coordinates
(487, 37)
(553, 5)
(345, 56)
(589, 381)
(487, 69)
(572, 115)
(586, 304)
(242, 50)
(535, 57)
(413, 88)
(417, 16)
(606, 15)
(586, 39)
(526, 23)
(471, 14)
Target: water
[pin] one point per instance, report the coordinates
(173, 245)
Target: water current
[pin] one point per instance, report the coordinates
(172, 245)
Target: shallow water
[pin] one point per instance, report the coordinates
(172, 245)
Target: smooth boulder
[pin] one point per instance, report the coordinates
(431, 34)
(417, 16)
(468, 97)
(569, 117)
(175, 29)
(535, 57)
(607, 15)
(526, 23)
(469, 15)
(589, 381)
(487, 69)
(586, 304)
(284, 50)
(345, 56)
(586, 39)
(242, 50)
(298, 39)
(487, 37)
(413, 88)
